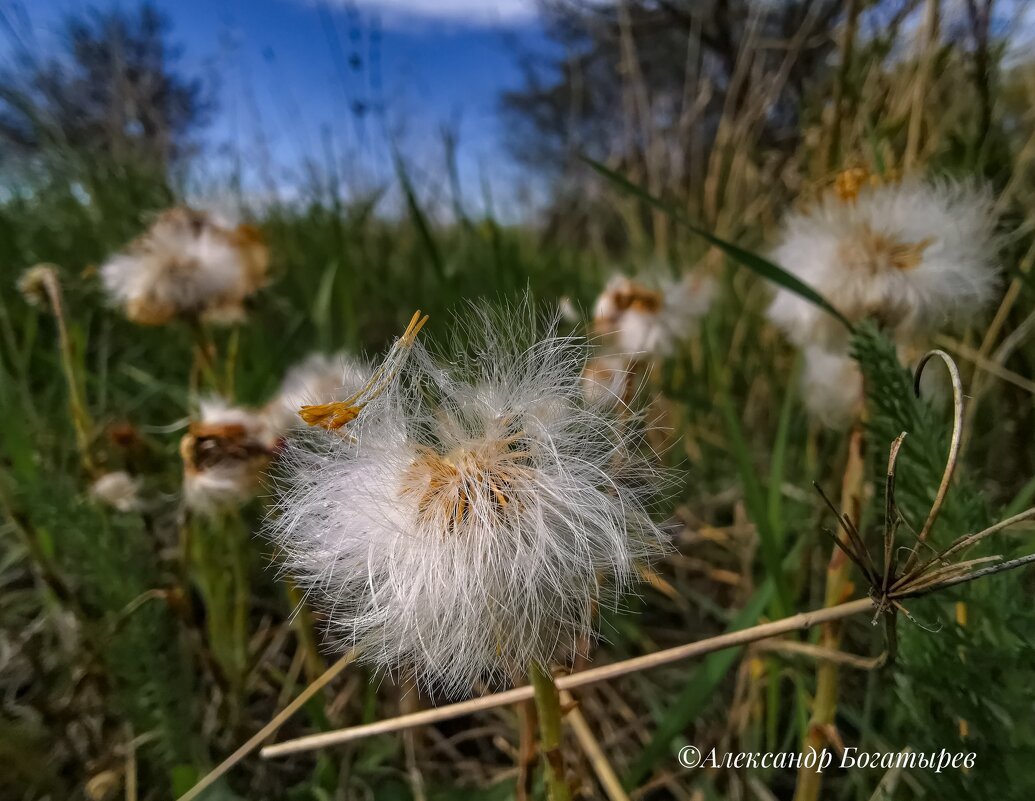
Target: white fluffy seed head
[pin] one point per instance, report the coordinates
(832, 386)
(649, 317)
(117, 489)
(318, 378)
(473, 519)
(912, 255)
(188, 264)
(224, 455)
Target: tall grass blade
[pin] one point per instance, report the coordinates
(758, 264)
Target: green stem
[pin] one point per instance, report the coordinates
(80, 418)
(241, 597)
(302, 621)
(204, 358)
(548, 703)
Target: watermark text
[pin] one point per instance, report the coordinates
(820, 760)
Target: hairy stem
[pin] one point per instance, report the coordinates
(548, 704)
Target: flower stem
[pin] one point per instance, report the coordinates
(80, 417)
(548, 704)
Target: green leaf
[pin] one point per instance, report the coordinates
(321, 309)
(757, 264)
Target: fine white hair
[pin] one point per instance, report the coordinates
(832, 386)
(472, 519)
(914, 255)
(117, 489)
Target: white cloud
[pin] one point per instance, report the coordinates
(455, 12)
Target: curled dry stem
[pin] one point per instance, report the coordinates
(954, 447)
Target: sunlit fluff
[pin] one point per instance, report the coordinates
(641, 317)
(188, 264)
(912, 255)
(318, 378)
(471, 520)
(224, 454)
(118, 489)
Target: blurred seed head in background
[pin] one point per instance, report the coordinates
(187, 265)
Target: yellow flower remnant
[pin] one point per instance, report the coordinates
(338, 414)
(875, 252)
(467, 486)
(849, 183)
(224, 453)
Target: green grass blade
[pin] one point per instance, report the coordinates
(778, 459)
(759, 265)
(1021, 501)
(420, 219)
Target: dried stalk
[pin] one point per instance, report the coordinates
(799, 622)
(954, 446)
(594, 753)
(883, 602)
(66, 348)
(923, 73)
(824, 708)
(256, 739)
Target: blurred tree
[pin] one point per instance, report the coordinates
(113, 91)
(630, 71)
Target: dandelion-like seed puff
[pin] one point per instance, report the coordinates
(832, 386)
(909, 254)
(635, 320)
(224, 455)
(119, 490)
(187, 265)
(641, 318)
(467, 521)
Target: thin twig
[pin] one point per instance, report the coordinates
(271, 727)
(991, 367)
(891, 513)
(967, 541)
(799, 622)
(1002, 567)
(821, 654)
(594, 753)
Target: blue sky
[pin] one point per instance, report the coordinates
(290, 73)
